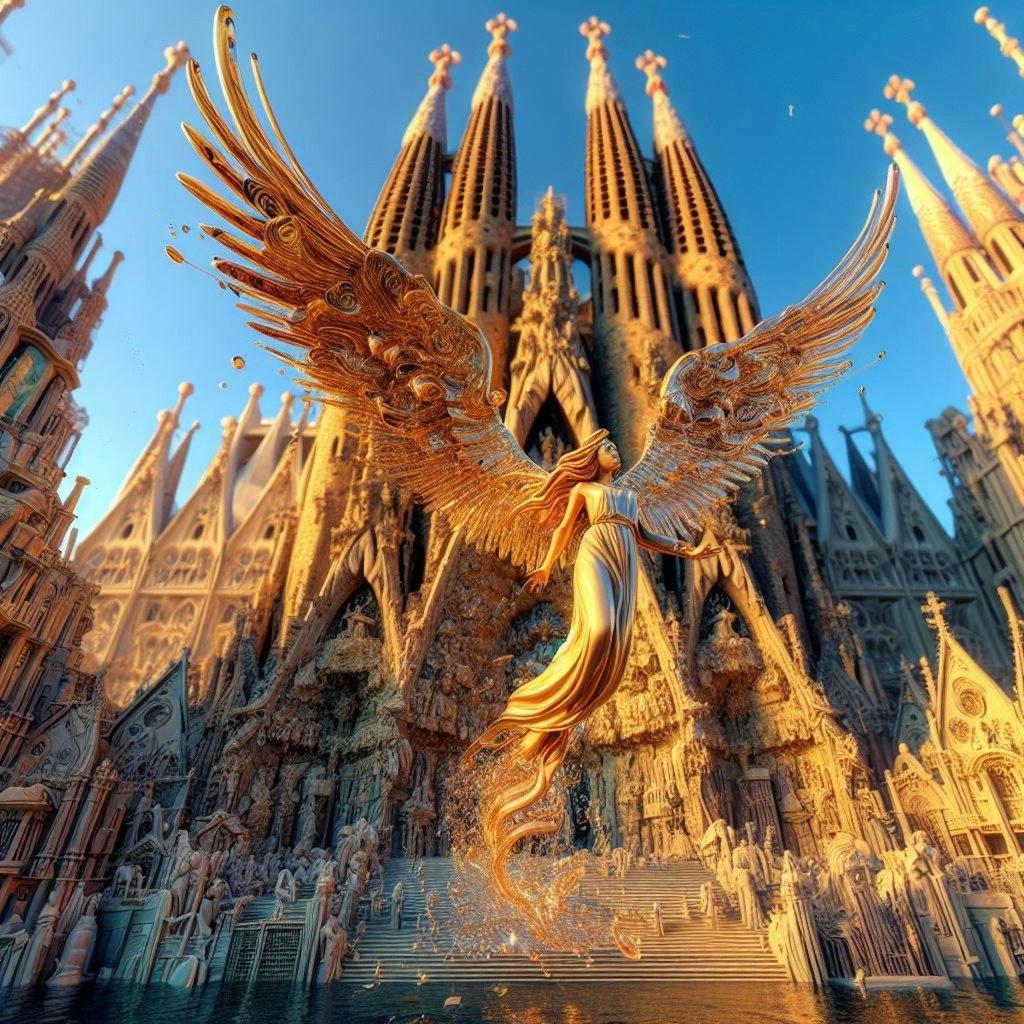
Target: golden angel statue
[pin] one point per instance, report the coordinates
(375, 339)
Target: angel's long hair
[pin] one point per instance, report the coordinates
(547, 503)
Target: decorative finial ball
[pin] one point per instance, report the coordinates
(996, 110)
(1018, 123)
(186, 388)
(918, 271)
(287, 399)
(994, 163)
(67, 85)
(981, 15)
(256, 390)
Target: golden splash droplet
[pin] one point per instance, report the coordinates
(238, 362)
(173, 255)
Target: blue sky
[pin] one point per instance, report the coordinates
(345, 78)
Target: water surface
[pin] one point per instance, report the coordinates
(985, 1003)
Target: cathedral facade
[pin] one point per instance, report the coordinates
(265, 686)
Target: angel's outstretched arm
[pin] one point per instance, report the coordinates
(559, 539)
(671, 546)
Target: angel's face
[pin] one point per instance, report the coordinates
(608, 457)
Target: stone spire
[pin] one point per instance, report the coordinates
(992, 218)
(43, 112)
(52, 129)
(407, 213)
(719, 301)
(601, 87)
(404, 222)
(635, 331)
(473, 264)
(75, 337)
(1008, 46)
(931, 293)
(95, 130)
(960, 258)
(76, 211)
(103, 172)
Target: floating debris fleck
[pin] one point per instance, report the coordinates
(223, 385)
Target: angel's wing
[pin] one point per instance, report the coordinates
(720, 405)
(377, 341)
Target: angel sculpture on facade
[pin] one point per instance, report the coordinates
(375, 340)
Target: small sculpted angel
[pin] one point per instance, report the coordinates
(376, 340)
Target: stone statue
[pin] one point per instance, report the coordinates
(334, 949)
(397, 905)
(286, 892)
(78, 947)
(37, 953)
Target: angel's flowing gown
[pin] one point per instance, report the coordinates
(583, 675)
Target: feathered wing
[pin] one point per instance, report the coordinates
(720, 405)
(376, 340)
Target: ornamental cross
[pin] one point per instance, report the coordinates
(933, 609)
(899, 89)
(499, 28)
(594, 30)
(651, 63)
(442, 59)
(878, 123)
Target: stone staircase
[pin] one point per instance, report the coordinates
(689, 950)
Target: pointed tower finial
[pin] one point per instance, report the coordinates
(1008, 46)
(944, 232)
(443, 58)
(429, 118)
(43, 112)
(494, 81)
(185, 390)
(594, 30)
(1013, 135)
(62, 115)
(992, 218)
(931, 293)
(103, 284)
(99, 127)
(500, 27)
(651, 63)
(933, 609)
(601, 86)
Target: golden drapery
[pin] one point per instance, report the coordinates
(542, 713)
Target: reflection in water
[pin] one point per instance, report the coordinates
(986, 1003)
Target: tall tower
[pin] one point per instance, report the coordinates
(718, 301)
(25, 165)
(985, 327)
(48, 311)
(473, 262)
(635, 334)
(404, 222)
